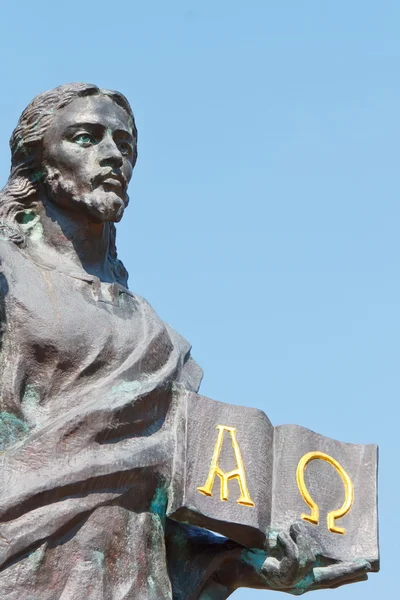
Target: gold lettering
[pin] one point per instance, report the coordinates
(238, 473)
(348, 488)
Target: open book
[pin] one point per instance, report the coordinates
(239, 476)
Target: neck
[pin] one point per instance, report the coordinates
(69, 241)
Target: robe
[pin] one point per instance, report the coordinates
(91, 380)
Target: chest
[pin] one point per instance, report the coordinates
(58, 315)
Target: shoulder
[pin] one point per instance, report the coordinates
(190, 374)
(18, 274)
(152, 316)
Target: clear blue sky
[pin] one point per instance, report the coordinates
(264, 216)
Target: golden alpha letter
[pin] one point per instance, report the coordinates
(237, 473)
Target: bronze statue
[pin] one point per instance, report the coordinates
(91, 380)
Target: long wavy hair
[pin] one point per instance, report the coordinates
(26, 176)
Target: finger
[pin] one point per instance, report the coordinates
(288, 566)
(306, 558)
(289, 546)
(305, 549)
(271, 541)
(299, 530)
(270, 569)
(341, 572)
(282, 572)
(331, 586)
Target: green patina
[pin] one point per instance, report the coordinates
(158, 504)
(26, 218)
(151, 582)
(304, 585)
(31, 396)
(12, 429)
(273, 538)
(36, 233)
(98, 557)
(36, 557)
(31, 404)
(254, 557)
(126, 387)
(301, 587)
(36, 176)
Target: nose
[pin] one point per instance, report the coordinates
(109, 153)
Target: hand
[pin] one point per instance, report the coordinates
(300, 569)
(213, 568)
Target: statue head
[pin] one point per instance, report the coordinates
(75, 145)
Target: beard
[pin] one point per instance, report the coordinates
(98, 204)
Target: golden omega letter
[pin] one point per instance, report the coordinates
(348, 489)
(237, 473)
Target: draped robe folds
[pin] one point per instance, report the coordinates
(90, 385)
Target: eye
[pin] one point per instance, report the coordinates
(125, 147)
(84, 139)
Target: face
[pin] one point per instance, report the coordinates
(88, 157)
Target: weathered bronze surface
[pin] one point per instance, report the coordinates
(92, 389)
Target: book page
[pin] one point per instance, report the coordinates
(227, 477)
(333, 476)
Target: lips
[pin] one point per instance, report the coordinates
(112, 180)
